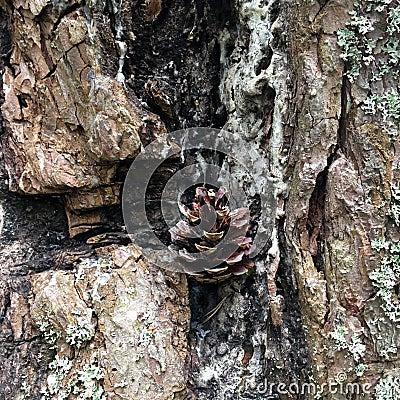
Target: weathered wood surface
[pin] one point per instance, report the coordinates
(85, 85)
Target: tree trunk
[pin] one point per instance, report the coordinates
(312, 91)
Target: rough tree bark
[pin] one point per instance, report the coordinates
(85, 85)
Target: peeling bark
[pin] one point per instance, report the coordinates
(85, 87)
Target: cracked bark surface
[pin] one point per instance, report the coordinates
(85, 85)
(348, 163)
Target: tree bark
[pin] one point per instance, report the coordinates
(86, 85)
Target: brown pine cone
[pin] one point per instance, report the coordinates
(208, 223)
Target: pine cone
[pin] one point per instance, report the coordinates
(209, 222)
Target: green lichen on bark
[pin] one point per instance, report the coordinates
(84, 384)
(370, 47)
(386, 277)
(388, 388)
